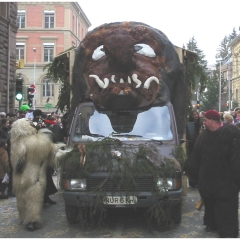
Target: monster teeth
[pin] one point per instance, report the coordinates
(149, 80)
(98, 81)
(101, 84)
(113, 79)
(136, 80)
(104, 84)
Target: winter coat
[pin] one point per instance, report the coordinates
(4, 163)
(215, 162)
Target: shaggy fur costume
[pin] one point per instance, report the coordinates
(31, 152)
(215, 164)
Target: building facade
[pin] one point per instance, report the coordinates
(8, 31)
(45, 29)
(226, 73)
(235, 46)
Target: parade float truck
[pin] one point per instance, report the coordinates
(127, 117)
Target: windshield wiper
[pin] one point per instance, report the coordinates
(159, 141)
(125, 135)
(93, 135)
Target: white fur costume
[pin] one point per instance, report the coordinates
(31, 152)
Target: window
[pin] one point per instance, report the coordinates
(48, 52)
(49, 19)
(78, 33)
(73, 24)
(3, 10)
(134, 123)
(82, 33)
(48, 88)
(21, 19)
(20, 51)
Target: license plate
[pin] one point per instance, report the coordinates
(116, 200)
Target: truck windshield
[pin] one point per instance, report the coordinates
(154, 123)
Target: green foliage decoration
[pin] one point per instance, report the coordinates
(58, 71)
(122, 173)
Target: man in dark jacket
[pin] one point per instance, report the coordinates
(50, 187)
(215, 164)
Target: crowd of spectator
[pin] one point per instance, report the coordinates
(52, 120)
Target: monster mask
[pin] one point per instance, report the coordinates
(126, 65)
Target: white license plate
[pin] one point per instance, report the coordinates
(116, 200)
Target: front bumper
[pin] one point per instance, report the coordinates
(144, 199)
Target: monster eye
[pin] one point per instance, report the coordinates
(137, 47)
(98, 53)
(145, 50)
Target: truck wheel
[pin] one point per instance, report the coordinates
(176, 212)
(71, 214)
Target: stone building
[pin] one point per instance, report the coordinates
(8, 30)
(46, 29)
(235, 46)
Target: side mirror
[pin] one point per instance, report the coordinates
(181, 141)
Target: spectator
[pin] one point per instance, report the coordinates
(50, 187)
(195, 119)
(237, 118)
(201, 116)
(50, 121)
(29, 114)
(4, 167)
(4, 130)
(221, 116)
(192, 135)
(214, 163)
(228, 118)
(234, 113)
(23, 109)
(2, 115)
(58, 120)
(5, 133)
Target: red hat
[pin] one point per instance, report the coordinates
(212, 114)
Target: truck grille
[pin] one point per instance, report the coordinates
(142, 184)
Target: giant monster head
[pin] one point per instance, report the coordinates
(125, 65)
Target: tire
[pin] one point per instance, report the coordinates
(71, 214)
(176, 212)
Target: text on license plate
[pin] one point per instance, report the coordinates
(119, 200)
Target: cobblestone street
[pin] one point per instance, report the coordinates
(118, 225)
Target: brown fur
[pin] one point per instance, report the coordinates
(122, 61)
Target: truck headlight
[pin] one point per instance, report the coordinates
(75, 184)
(169, 183)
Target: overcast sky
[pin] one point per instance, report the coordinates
(207, 21)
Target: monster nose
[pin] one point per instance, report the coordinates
(119, 49)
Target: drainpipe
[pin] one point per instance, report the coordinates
(8, 57)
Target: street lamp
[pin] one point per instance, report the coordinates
(34, 99)
(228, 81)
(220, 86)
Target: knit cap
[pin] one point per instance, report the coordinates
(212, 114)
